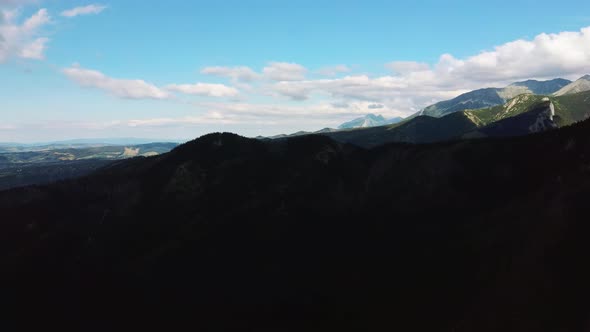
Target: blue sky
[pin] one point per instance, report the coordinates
(180, 69)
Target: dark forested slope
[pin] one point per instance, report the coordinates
(309, 234)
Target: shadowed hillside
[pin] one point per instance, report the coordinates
(310, 234)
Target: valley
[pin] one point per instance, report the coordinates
(22, 165)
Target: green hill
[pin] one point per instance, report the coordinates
(513, 107)
(572, 108)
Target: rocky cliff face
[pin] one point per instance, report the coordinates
(544, 120)
(537, 117)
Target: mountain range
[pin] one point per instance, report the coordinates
(489, 97)
(524, 114)
(581, 85)
(369, 120)
(373, 130)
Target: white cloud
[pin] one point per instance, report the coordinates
(84, 10)
(38, 19)
(204, 89)
(276, 71)
(124, 88)
(139, 89)
(547, 55)
(565, 54)
(284, 71)
(357, 87)
(242, 73)
(22, 40)
(334, 70)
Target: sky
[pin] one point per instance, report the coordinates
(178, 69)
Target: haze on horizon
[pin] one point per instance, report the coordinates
(180, 69)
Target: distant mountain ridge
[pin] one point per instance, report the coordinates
(581, 85)
(521, 115)
(519, 109)
(542, 87)
(369, 120)
(489, 97)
